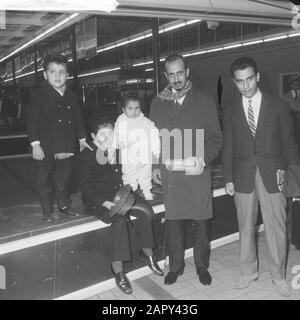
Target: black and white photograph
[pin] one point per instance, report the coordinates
(149, 151)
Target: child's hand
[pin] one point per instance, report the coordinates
(83, 144)
(108, 204)
(37, 152)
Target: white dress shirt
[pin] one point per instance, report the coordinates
(256, 102)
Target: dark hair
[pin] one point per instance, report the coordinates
(174, 57)
(131, 96)
(243, 63)
(97, 120)
(54, 58)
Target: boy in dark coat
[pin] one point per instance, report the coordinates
(100, 177)
(54, 124)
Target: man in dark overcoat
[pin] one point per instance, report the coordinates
(188, 113)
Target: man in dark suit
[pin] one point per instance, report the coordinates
(258, 141)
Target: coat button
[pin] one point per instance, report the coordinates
(59, 120)
(69, 107)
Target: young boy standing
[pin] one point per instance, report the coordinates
(138, 139)
(54, 123)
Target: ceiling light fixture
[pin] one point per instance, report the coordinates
(276, 38)
(98, 72)
(25, 45)
(146, 34)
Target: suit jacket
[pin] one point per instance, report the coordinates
(55, 120)
(273, 148)
(187, 196)
(98, 183)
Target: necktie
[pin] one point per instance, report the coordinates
(177, 105)
(251, 121)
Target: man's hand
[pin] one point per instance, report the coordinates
(197, 169)
(108, 204)
(229, 188)
(83, 144)
(156, 176)
(37, 152)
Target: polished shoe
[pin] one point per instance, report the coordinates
(69, 212)
(122, 281)
(244, 281)
(48, 218)
(171, 277)
(282, 287)
(152, 264)
(205, 277)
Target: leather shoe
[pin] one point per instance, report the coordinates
(70, 212)
(48, 218)
(171, 277)
(152, 264)
(205, 277)
(122, 281)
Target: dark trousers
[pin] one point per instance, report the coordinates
(52, 179)
(176, 238)
(143, 211)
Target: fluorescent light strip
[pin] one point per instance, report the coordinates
(199, 52)
(294, 34)
(252, 42)
(124, 42)
(214, 49)
(192, 21)
(172, 27)
(98, 72)
(142, 63)
(233, 46)
(23, 75)
(150, 69)
(184, 55)
(40, 36)
(275, 38)
(147, 34)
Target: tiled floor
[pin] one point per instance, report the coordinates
(224, 270)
